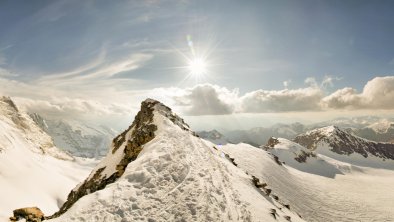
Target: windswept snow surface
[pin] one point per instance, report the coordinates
(178, 177)
(359, 194)
(33, 172)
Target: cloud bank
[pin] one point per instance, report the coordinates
(208, 99)
(378, 93)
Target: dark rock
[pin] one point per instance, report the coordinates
(31, 214)
(273, 213)
(272, 142)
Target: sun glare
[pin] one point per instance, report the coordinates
(197, 66)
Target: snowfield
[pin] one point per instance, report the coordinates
(178, 177)
(32, 171)
(353, 194)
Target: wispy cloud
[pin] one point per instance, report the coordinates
(95, 71)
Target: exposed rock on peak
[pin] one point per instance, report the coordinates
(342, 142)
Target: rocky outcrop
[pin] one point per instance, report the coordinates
(344, 143)
(303, 156)
(30, 214)
(272, 142)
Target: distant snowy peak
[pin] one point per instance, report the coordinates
(78, 138)
(213, 136)
(344, 143)
(18, 124)
(382, 126)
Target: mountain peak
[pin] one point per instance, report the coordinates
(344, 143)
(125, 148)
(325, 131)
(6, 100)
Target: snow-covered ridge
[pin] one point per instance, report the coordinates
(158, 170)
(344, 143)
(39, 141)
(32, 170)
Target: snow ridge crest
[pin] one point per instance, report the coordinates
(125, 148)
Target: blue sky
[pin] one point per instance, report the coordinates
(109, 55)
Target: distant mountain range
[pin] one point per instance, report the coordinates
(369, 127)
(31, 166)
(79, 139)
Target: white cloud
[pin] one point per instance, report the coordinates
(97, 69)
(67, 107)
(282, 101)
(207, 99)
(378, 93)
(343, 98)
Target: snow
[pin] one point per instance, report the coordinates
(33, 172)
(177, 177)
(287, 150)
(381, 126)
(372, 161)
(324, 131)
(359, 194)
(77, 138)
(29, 178)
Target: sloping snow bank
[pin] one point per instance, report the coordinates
(365, 194)
(28, 178)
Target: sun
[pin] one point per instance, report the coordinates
(197, 66)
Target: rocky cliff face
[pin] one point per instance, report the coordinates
(344, 143)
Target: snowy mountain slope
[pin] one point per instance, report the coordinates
(158, 170)
(213, 136)
(32, 170)
(77, 138)
(373, 128)
(356, 195)
(300, 158)
(337, 144)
